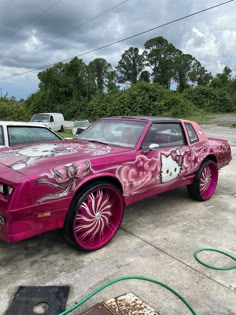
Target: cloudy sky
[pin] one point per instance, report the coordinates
(34, 34)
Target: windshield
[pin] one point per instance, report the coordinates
(124, 133)
(40, 118)
(84, 123)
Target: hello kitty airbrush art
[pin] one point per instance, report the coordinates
(171, 165)
(83, 185)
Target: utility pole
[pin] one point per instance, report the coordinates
(1, 91)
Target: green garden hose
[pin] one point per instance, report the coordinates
(155, 281)
(126, 278)
(214, 250)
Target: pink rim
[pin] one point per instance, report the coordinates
(208, 180)
(98, 217)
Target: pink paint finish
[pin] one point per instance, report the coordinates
(44, 187)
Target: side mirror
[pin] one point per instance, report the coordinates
(153, 147)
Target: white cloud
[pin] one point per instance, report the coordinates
(202, 44)
(210, 36)
(32, 42)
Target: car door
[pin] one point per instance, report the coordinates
(52, 123)
(166, 160)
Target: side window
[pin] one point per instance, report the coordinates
(17, 135)
(23, 135)
(51, 119)
(1, 136)
(193, 137)
(165, 134)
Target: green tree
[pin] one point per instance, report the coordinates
(100, 70)
(189, 70)
(160, 57)
(111, 83)
(130, 66)
(79, 80)
(183, 69)
(145, 76)
(52, 84)
(222, 79)
(199, 74)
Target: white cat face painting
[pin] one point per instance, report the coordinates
(171, 166)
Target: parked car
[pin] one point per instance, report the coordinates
(83, 185)
(54, 121)
(14, 133)
(79, 126)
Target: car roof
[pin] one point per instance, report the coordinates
(20, 123)
(47, 113)
(81, 120)
(150, 118)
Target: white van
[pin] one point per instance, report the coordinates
(54, 121)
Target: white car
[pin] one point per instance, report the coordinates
(79, 126)
(17, 133)
(54, 121)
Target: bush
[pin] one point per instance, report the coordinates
(140, 99)
(210, 99)
(11, 110)
(179, 107)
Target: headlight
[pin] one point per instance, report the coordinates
(5, 189)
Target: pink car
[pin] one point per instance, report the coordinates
(83, 185)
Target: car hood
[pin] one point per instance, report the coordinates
(36, 158)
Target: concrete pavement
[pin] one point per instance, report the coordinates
(157, 239)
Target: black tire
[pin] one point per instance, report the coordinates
(205, 181)
(61, 129)
(94, 217)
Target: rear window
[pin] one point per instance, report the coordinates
(193, 137)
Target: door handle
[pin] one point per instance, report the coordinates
(187, 150)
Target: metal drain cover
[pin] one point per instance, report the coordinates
(127, 304)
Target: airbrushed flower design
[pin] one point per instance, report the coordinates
(139, 174)
(65, 178)
(93, 215)
(177, 157)
(192, 158)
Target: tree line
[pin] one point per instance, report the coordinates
(158, 79)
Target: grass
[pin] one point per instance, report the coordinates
(201, 118)
(67, 133)
(221, 119)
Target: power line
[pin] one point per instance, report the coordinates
(121, 40)
(76, 27)
(32, 19)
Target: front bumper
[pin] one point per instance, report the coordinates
(14, 227)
